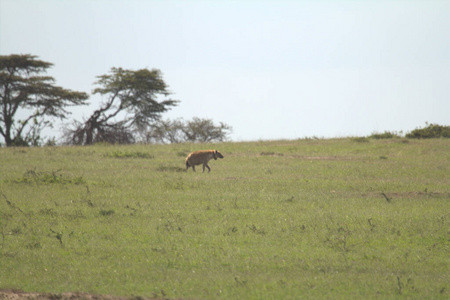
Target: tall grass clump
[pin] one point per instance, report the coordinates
(48, 177)
(128, 154)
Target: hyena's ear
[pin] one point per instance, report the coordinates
(214, 154)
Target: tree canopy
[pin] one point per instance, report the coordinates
(131, 104)
(24, 89)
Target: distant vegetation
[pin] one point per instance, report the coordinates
(429, 132)
(196, 130)
(129, 113)
(385, 135)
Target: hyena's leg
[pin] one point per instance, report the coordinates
(206, 165)
(193, 167)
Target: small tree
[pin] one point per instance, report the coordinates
(23, 89)
(165, 132)
(178, 131)
(204, 130)
(131, 105)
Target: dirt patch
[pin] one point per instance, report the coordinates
(322, 157)
(420, 194)
(19, 295)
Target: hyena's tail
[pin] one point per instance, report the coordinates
(187, 165)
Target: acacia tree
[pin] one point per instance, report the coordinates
(131, 105)
(24, 91)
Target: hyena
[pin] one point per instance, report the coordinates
(202, 157)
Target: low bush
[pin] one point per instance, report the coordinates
(429, 132)
(384, 135)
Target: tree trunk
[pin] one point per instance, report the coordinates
(7, 136)
(89, 132)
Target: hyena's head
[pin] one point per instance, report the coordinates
(217, 154)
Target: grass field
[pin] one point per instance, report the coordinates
(337, 218)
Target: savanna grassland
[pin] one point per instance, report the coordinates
(337, 218)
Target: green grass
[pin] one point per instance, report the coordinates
(338, 218)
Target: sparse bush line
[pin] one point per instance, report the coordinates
(125, 154)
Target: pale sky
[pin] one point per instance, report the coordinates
(270, 69)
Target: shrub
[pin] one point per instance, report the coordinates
(431, 131)
(385, 135)
(179, 131)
